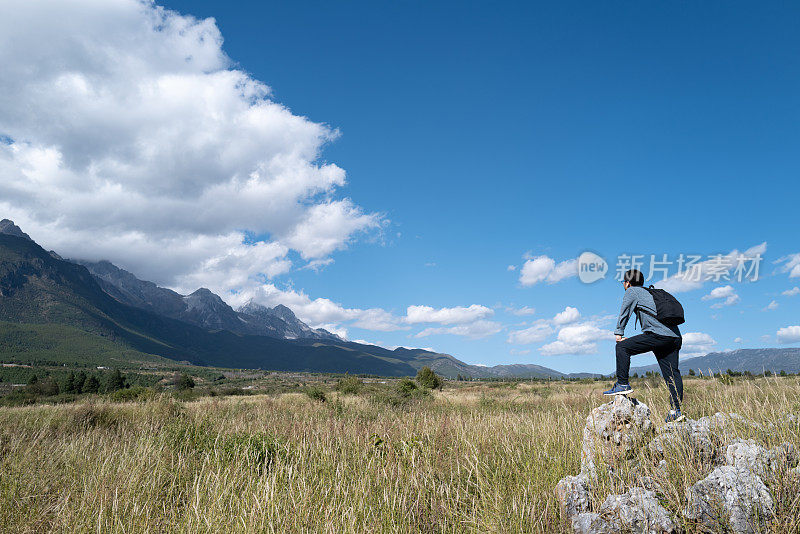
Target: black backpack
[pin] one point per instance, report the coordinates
(668, 310)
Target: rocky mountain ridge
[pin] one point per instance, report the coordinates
(202, 308)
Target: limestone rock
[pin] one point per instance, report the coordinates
(730, 494)
(637, 510)
(747, 454)
(590, 523)
(690, 434)
(614, 430)
(573, 494)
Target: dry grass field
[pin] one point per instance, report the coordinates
(473, 457)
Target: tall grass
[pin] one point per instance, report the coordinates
(472, 458)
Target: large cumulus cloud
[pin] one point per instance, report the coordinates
(126, 133)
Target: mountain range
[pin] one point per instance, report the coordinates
(202, 308)
(38, 287)
(755, 361)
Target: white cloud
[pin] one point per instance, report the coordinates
(738, 340)
(456, 315)
(335, 329)
(519, 352)
(697, 344)
(771, 306)
(534, 334)
(511, 268)
(525, 310)
(576, 339)
(792, 292)
(569, 315)
(711, 270)
(791, 265)
(320, 312)
(726, 293)
(789, 334)
(563, 270)
(324, 313)
(544, 269)
(136, 139)
(475, 330)
(378, 319)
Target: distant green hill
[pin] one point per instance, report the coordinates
(53, 344)
(49, 298)
(755, 361)
(38, 288)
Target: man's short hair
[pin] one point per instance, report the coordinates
(634, 277)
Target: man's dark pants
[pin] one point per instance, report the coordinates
(665, 348)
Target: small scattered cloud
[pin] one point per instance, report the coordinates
(519, 352)
(538, 269)
(791, 292)
(317, 265)
(771, 306)
(697, 344)
(726, 294)
(511, 268)
(378, 319)
(576, 339)
(525, 310)
(540, 331)
(790, 264)
(446, 316)
(738, 340)
(789, 334)
(569, 315)
(475, 330)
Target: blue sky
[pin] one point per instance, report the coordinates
(482, 135)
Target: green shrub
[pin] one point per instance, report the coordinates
(315, 393)
(183, 381)
(405, 393)
(428, 379)
(406, 387)
(349, 385)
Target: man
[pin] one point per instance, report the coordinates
(663, 340)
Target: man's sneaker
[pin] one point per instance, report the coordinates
(619, 389)
(674, 416)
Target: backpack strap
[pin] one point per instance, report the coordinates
(639, 309)
(648, 312)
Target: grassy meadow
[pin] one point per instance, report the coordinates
(371, 457)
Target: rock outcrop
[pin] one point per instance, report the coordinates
(733, 495)
(613, 431)
(730, 494)
(573, 494)
(636, 510)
